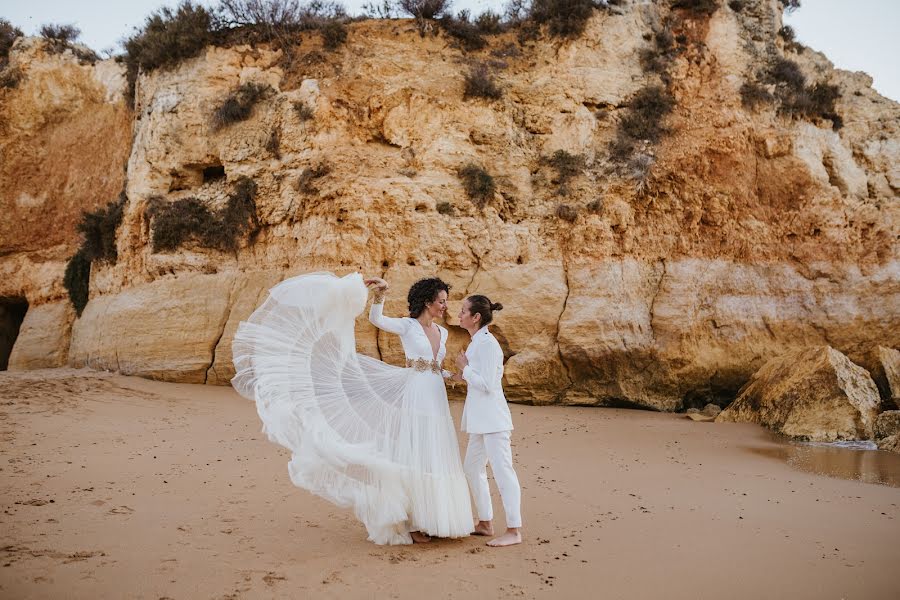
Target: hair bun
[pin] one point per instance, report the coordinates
(495, 306)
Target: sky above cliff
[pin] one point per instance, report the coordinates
(857, 36)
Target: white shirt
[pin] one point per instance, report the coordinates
(486, 410)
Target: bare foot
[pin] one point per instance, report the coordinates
(419, 538)
(510, 538)
(483, 528)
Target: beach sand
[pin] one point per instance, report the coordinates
(119, 487)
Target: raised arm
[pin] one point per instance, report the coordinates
(484, 369)
(376, 313)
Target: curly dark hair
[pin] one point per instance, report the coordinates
(423, 292)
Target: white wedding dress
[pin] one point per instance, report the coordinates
(366, 435)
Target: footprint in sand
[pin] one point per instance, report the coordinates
(121, 510)
(271, 578)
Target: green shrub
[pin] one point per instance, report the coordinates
(77, 280)
(238, 105)
(479, 83)
(190, 219)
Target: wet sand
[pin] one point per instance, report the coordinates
(117, 487)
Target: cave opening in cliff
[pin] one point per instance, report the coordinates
(213, 173)
(12, 313)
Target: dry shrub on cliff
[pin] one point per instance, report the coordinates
(273, 143)
(469, 34)
(595, 206)
(60, 38)
(8, 35)
(787, 73)
(566, 165)
(238, 105)
(478, 183)
(63, 35)
(98, 243)
(423, 9)
(304, 111)
(479, 83)
(10, 77)
(736, 5)
(754, 95)
(658, 58)
(445, 208)
(790, 5)
(334, 34)
(77, 279)
(190, 219)
(567, 213)
(814, 102)
(98, 229)
(563, 18)
(281, 21)
(797, 99)
(309, 175)
(702, 8)
(168, 37)
(647, 109)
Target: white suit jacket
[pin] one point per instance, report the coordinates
(485, 410)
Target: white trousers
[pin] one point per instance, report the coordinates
(493, 448)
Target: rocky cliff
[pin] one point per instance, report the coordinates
(753, 234)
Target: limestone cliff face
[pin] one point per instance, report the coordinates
(757, 235)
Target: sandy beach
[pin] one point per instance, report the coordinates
(120, 487)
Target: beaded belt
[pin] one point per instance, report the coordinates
(422, 365)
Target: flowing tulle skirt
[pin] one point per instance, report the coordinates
(365, 435)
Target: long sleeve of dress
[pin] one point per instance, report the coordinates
(389, 324)
(483, 371)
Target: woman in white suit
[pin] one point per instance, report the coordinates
(486, 418)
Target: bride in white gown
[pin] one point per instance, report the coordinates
(365, 435)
